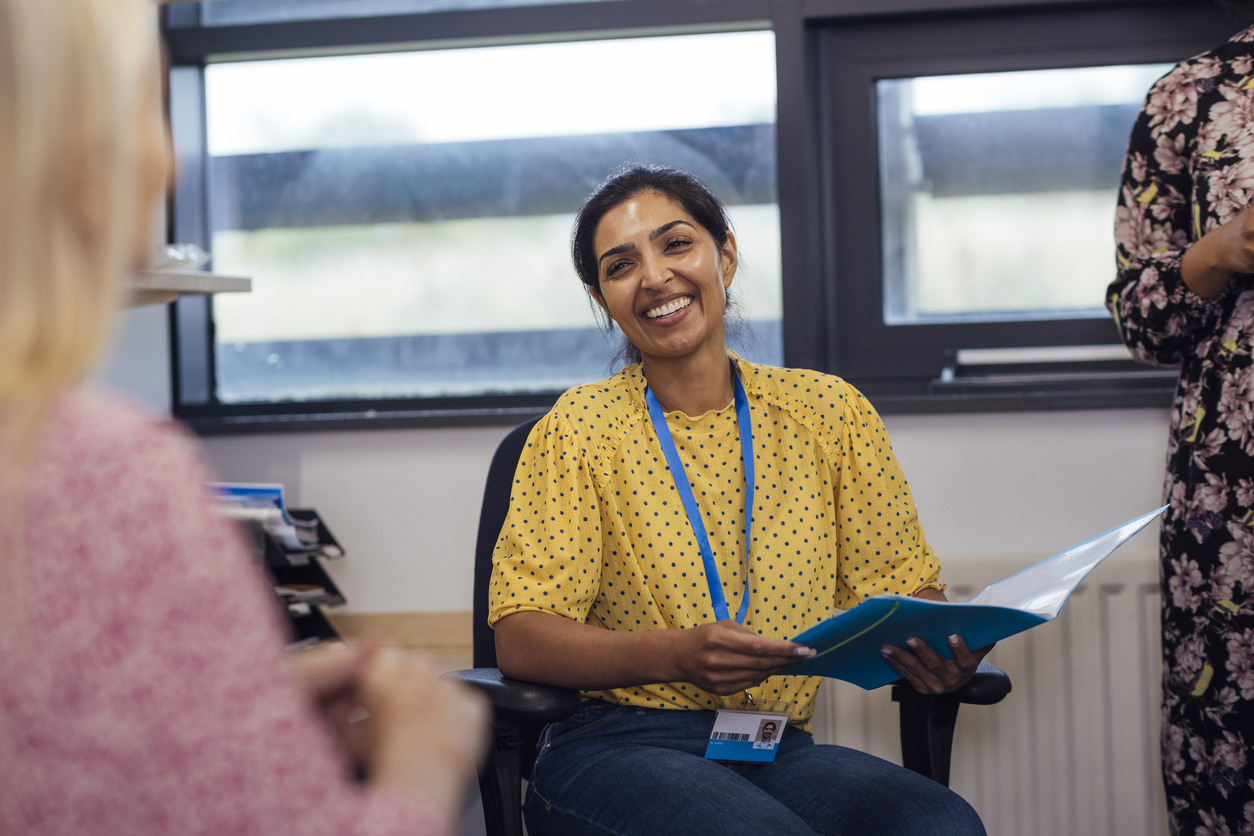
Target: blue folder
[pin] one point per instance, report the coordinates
(849, 644)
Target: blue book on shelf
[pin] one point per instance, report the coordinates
(849, 644)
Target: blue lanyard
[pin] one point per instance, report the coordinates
(690, 503)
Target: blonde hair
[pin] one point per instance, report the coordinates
(72, 76)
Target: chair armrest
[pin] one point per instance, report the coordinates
(521, 702)
(990, 685)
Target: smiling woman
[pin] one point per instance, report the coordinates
(650, 507)
(655, 249)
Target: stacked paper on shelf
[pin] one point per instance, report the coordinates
(263, 503)
(849, 644)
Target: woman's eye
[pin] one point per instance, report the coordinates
(614, 268)
(677, 242)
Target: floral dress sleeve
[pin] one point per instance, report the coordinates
(1155, 222)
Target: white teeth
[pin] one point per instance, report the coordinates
(669, 307)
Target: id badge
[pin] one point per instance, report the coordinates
(746, 736)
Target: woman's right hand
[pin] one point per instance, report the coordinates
(1212, 261)
(721, 658)
(428, 734)
(725, 658)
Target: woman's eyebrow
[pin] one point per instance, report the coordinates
(621, 248)
(665, 228)
(653, 236)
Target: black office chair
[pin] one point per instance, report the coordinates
(522, 709)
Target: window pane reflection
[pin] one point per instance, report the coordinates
(998, 190)
(406, 217)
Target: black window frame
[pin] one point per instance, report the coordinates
(191, 46)
(830, 310)
(903, 367)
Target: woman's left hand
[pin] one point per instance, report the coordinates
(929, 673)
(924, 668)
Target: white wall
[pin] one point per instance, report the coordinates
(1031, 482)
(405, 503)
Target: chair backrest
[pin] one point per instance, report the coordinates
(491, 518)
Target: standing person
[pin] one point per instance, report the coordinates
(143, 685)
(671, 526)
(1185, 296)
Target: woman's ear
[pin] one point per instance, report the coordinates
(596, 297)
(730, 260)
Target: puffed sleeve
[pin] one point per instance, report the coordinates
(881, 544)
(1156, 313)
(548, 557)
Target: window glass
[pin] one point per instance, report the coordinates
(998, 190)
(236, 12)
(406, 217)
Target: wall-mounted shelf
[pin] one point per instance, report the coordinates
(157, 287)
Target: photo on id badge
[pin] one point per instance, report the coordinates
(767, 736)
(746, 736)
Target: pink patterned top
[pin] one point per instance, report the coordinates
(146, 691)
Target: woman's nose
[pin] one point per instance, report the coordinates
(656, 273)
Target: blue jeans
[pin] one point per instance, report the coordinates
(622, 770)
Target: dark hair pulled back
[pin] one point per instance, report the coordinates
(680, 186)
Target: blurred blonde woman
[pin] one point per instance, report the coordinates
(143, 685)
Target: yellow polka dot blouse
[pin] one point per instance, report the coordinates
(597, 533)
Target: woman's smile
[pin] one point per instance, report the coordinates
(663, 277)
(669, 309)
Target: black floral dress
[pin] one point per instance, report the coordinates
(1190, 168)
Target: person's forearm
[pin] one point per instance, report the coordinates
(1210, 263)
(1204, 268)
(539, 647)
(931, 594)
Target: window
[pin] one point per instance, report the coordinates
(923, 192)
(984, 219)
(406, 215)
(983, 175)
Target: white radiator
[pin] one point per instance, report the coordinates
(1074, 748)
